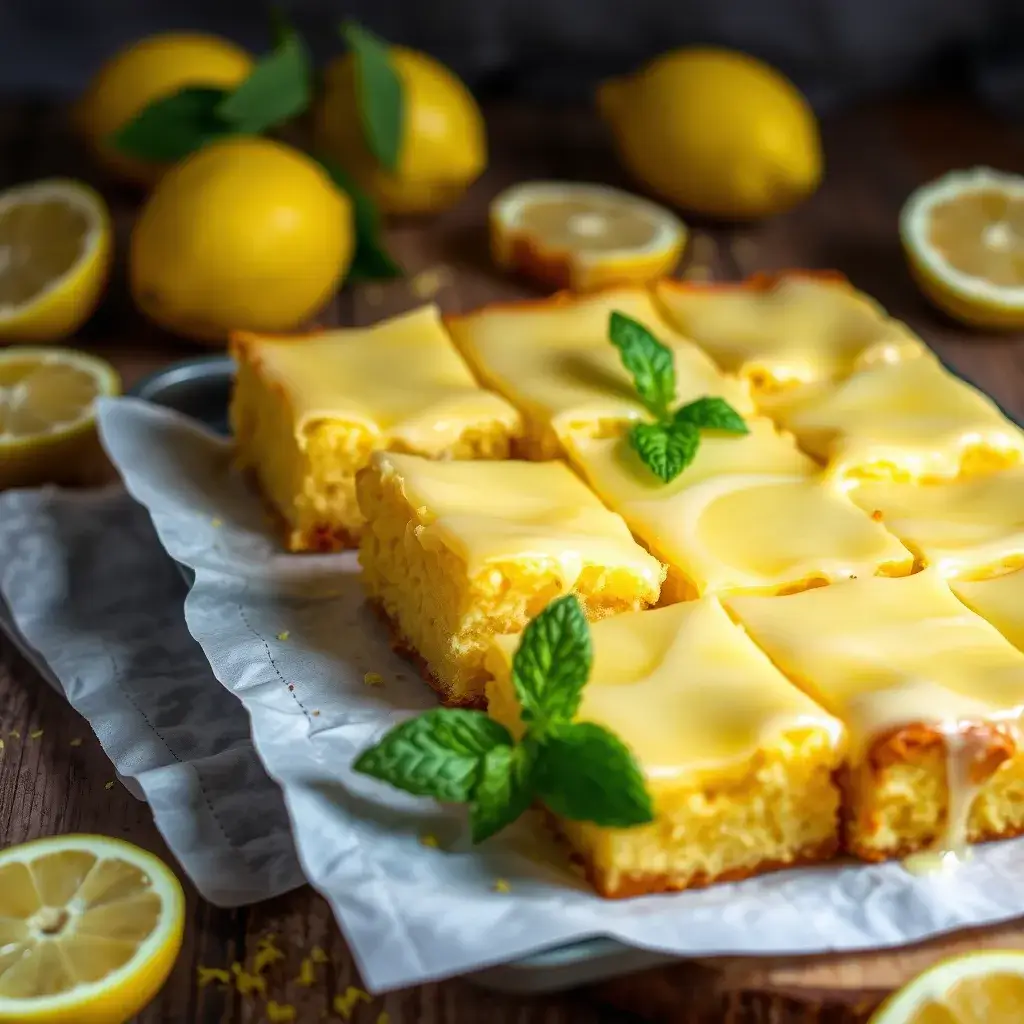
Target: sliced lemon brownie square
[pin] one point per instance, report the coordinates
(792, 328)
(308, 411)
(967, 529)
(455, 552)
(931, 696)
(553, 360)
(910, 421)
(738, 762)
(750, 513)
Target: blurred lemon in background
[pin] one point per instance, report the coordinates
(55, 249)
(443, 146)
(715, 132)
(146, 71)
(246, 233)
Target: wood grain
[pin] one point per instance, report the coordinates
(48, 785)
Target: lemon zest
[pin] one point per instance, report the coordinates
(76, 742)
(208, 975)
(267, 953)
(278, 1013)
(501, 885)
(108, 785)
(307, 973)
(373, 679)
(35, 734)
(216, 523)
(318, 956)
(14, 734)
(345, 1004)
(247, 983)
(384, 1018)
(283, 635)
(429, 840)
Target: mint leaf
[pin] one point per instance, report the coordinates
(371, 260)
(666, 449)
(440, 753)
(278, 88)
(650, 363)
(586, 773)
(379, 90)
(710, 413)
(172, 127)
(552, 663)
(505, 789)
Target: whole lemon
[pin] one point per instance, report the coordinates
(247, 233)
(443, 146)
(715, 132)
(146, 71)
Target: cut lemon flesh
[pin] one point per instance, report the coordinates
(47, 398)
(55, 246)
(979, 988)
(964, 238)
(583, 237)
(89, 930)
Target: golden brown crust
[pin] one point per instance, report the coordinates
(403, 647)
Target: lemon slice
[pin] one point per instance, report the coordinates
(964, 239)
(583, 237)
(55, 246)
(47, 429)
(89, 930)
(978, 988)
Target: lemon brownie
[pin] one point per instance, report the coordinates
(750, 513)
(553, 360)
(1000, 601)
(931, 695)
(455, 552)
(739, 763)
(967, 529)
(786, 329)
(308, 410)
(910, 421)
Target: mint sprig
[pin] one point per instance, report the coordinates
(581, 770)
(669, 444)
(379, 92)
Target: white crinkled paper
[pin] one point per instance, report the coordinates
(291, 637)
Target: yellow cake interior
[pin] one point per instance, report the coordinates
(456, 552)
(738, 761)
(307, 412)
(553, 360)
(750, 514)
(797, 331)
(930, 695)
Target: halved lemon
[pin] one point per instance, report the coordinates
(964, 239)
(47, 426)
(55, 248)
(978, 988)
(89, 930)
(583, 237)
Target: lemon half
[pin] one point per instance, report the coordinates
(90, 928)
(583, 237)
(963, 235)
(55, 247)
(978, 988)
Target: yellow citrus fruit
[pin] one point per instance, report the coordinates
(583, 237)
(47, 427)
(963, 236)
(443, 146)
(716, 132)
(977, 988)
(90, 928)
(246, 234)
(55, 249)
(145, 71)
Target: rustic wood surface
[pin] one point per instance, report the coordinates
(50, 783)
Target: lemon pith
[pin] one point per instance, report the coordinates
(581, 236)
(55, 250)
(963, 236)
(90, 928)
(443, 146)
(716, 132)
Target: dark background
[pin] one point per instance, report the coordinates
(836, 50)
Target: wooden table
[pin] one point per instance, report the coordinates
(874, 158)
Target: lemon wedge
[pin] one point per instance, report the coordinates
(977, 988)
(55, 247)
(963, 235)
(47, 428)
(89, 930)
(583, 237)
